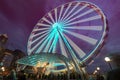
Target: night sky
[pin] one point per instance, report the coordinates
(18, 18)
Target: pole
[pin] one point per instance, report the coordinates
(74, 58)
(110, 65)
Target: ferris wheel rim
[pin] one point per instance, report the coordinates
(104, 32)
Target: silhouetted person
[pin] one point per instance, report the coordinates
(21, 75)
(115, 73)
(91, 78)
(99, 77)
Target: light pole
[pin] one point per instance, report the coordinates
(107, 59)
(98, 69)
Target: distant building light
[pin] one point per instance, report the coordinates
(3, 68)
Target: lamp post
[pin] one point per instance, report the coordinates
(107, 59)
(98, 69)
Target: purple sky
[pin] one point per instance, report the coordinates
(18, 18)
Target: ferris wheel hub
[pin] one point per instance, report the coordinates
(57, 26)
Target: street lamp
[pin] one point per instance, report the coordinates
(98, 68)
(107, 59)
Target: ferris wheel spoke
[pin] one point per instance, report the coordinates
(48, 45)
(95, 28)
(41, 24)
(61, 10)
(71, 11)
(43, 44)
(40, 29)
(67, 18)
(40, 33)
(38, 44)
(50, 15)
(67, 45)
(66, 11)
(83, 37)
(83, 14)
(85, 20)
(62, 47)
(75, 47)
(55, 14)
(47, 20)
(53, 47)
(39, 38)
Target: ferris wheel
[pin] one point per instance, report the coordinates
(76, 28)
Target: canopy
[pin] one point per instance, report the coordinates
(41, 59)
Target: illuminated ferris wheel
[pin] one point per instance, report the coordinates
(73, 29)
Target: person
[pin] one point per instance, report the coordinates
(21, 75)
(114, 74)
(12, 75)
(91, 77)
(99, 77)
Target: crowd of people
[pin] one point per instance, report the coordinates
(21, 75)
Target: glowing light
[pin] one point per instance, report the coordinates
(98, 68)
(107, 59)
(95, 72)
(57, 26)
(3, 68)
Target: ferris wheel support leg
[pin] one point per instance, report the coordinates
(68, 75)
(72, 55)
